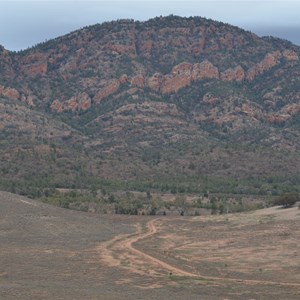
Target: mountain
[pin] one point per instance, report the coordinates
(181, 104)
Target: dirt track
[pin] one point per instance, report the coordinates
(52, 253)
(125, 244)
(122, 247)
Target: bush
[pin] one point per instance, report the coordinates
(287, 200)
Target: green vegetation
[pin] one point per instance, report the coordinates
(213, 138)
(112, 201)
(287, 200)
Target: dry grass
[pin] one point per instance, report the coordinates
(52, 253)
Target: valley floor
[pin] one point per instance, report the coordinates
(52, 253)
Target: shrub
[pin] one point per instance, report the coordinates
(287, 200)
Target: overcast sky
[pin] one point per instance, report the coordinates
(24, 23)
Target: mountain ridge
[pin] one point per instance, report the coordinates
(170, 97)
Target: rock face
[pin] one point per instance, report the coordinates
(205, 70)
(10, 93)
(290, 55)
(155, 58)
(235, 74)
(81, 102)
(107, 90)
(154, 82)
(180, 77)
(35, 69)
(35, 64)
(57, 106)
(184, 74)
(138, 81)
(270, 61)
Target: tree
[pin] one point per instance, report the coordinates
(181, 204)
(287, 200)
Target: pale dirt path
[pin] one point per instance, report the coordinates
(124, 244)
(152, 229)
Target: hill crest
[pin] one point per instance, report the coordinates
(143, 99)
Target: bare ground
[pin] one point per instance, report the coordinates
(52, 253)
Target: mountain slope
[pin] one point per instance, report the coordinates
(171, 101)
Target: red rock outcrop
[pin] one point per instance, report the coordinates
(146, 47)
(227, 41)
(204, 70)
(155, 82)
(271, 60)
(138, 80)
(247, 110)
(198, 46)
(276, 118)
(123, 79)
(84, 101)
(290, 55)
(57, 106)
(34, 64)
(125, 45)
(291, 109)
(107, 90)
(10, 93)
(235, 74)
(35, 69)
(81, 102)
(71, 104)
(179, 78)
(28, 99)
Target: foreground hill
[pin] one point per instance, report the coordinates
(171, 103)
(54, 253)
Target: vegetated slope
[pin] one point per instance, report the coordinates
(188, 102)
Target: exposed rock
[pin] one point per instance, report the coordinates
(71, 104)
(120, 48)
(35, 69)
(271, 60)
(236, 74)
(107, 90)
(28, 99)
(208, 98)
(179, 78)
(146, 47)
(138, 80)
(155, 82)
(291, 109)
(123, 79)
(247, 110)
(183, 68)
(81, 102)
(34, 64)
(290, 55)
(227, 41)
(204, 70)
(277, 118)
(57, 106)
(10, 93)
(148, 107)
(84, 101)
